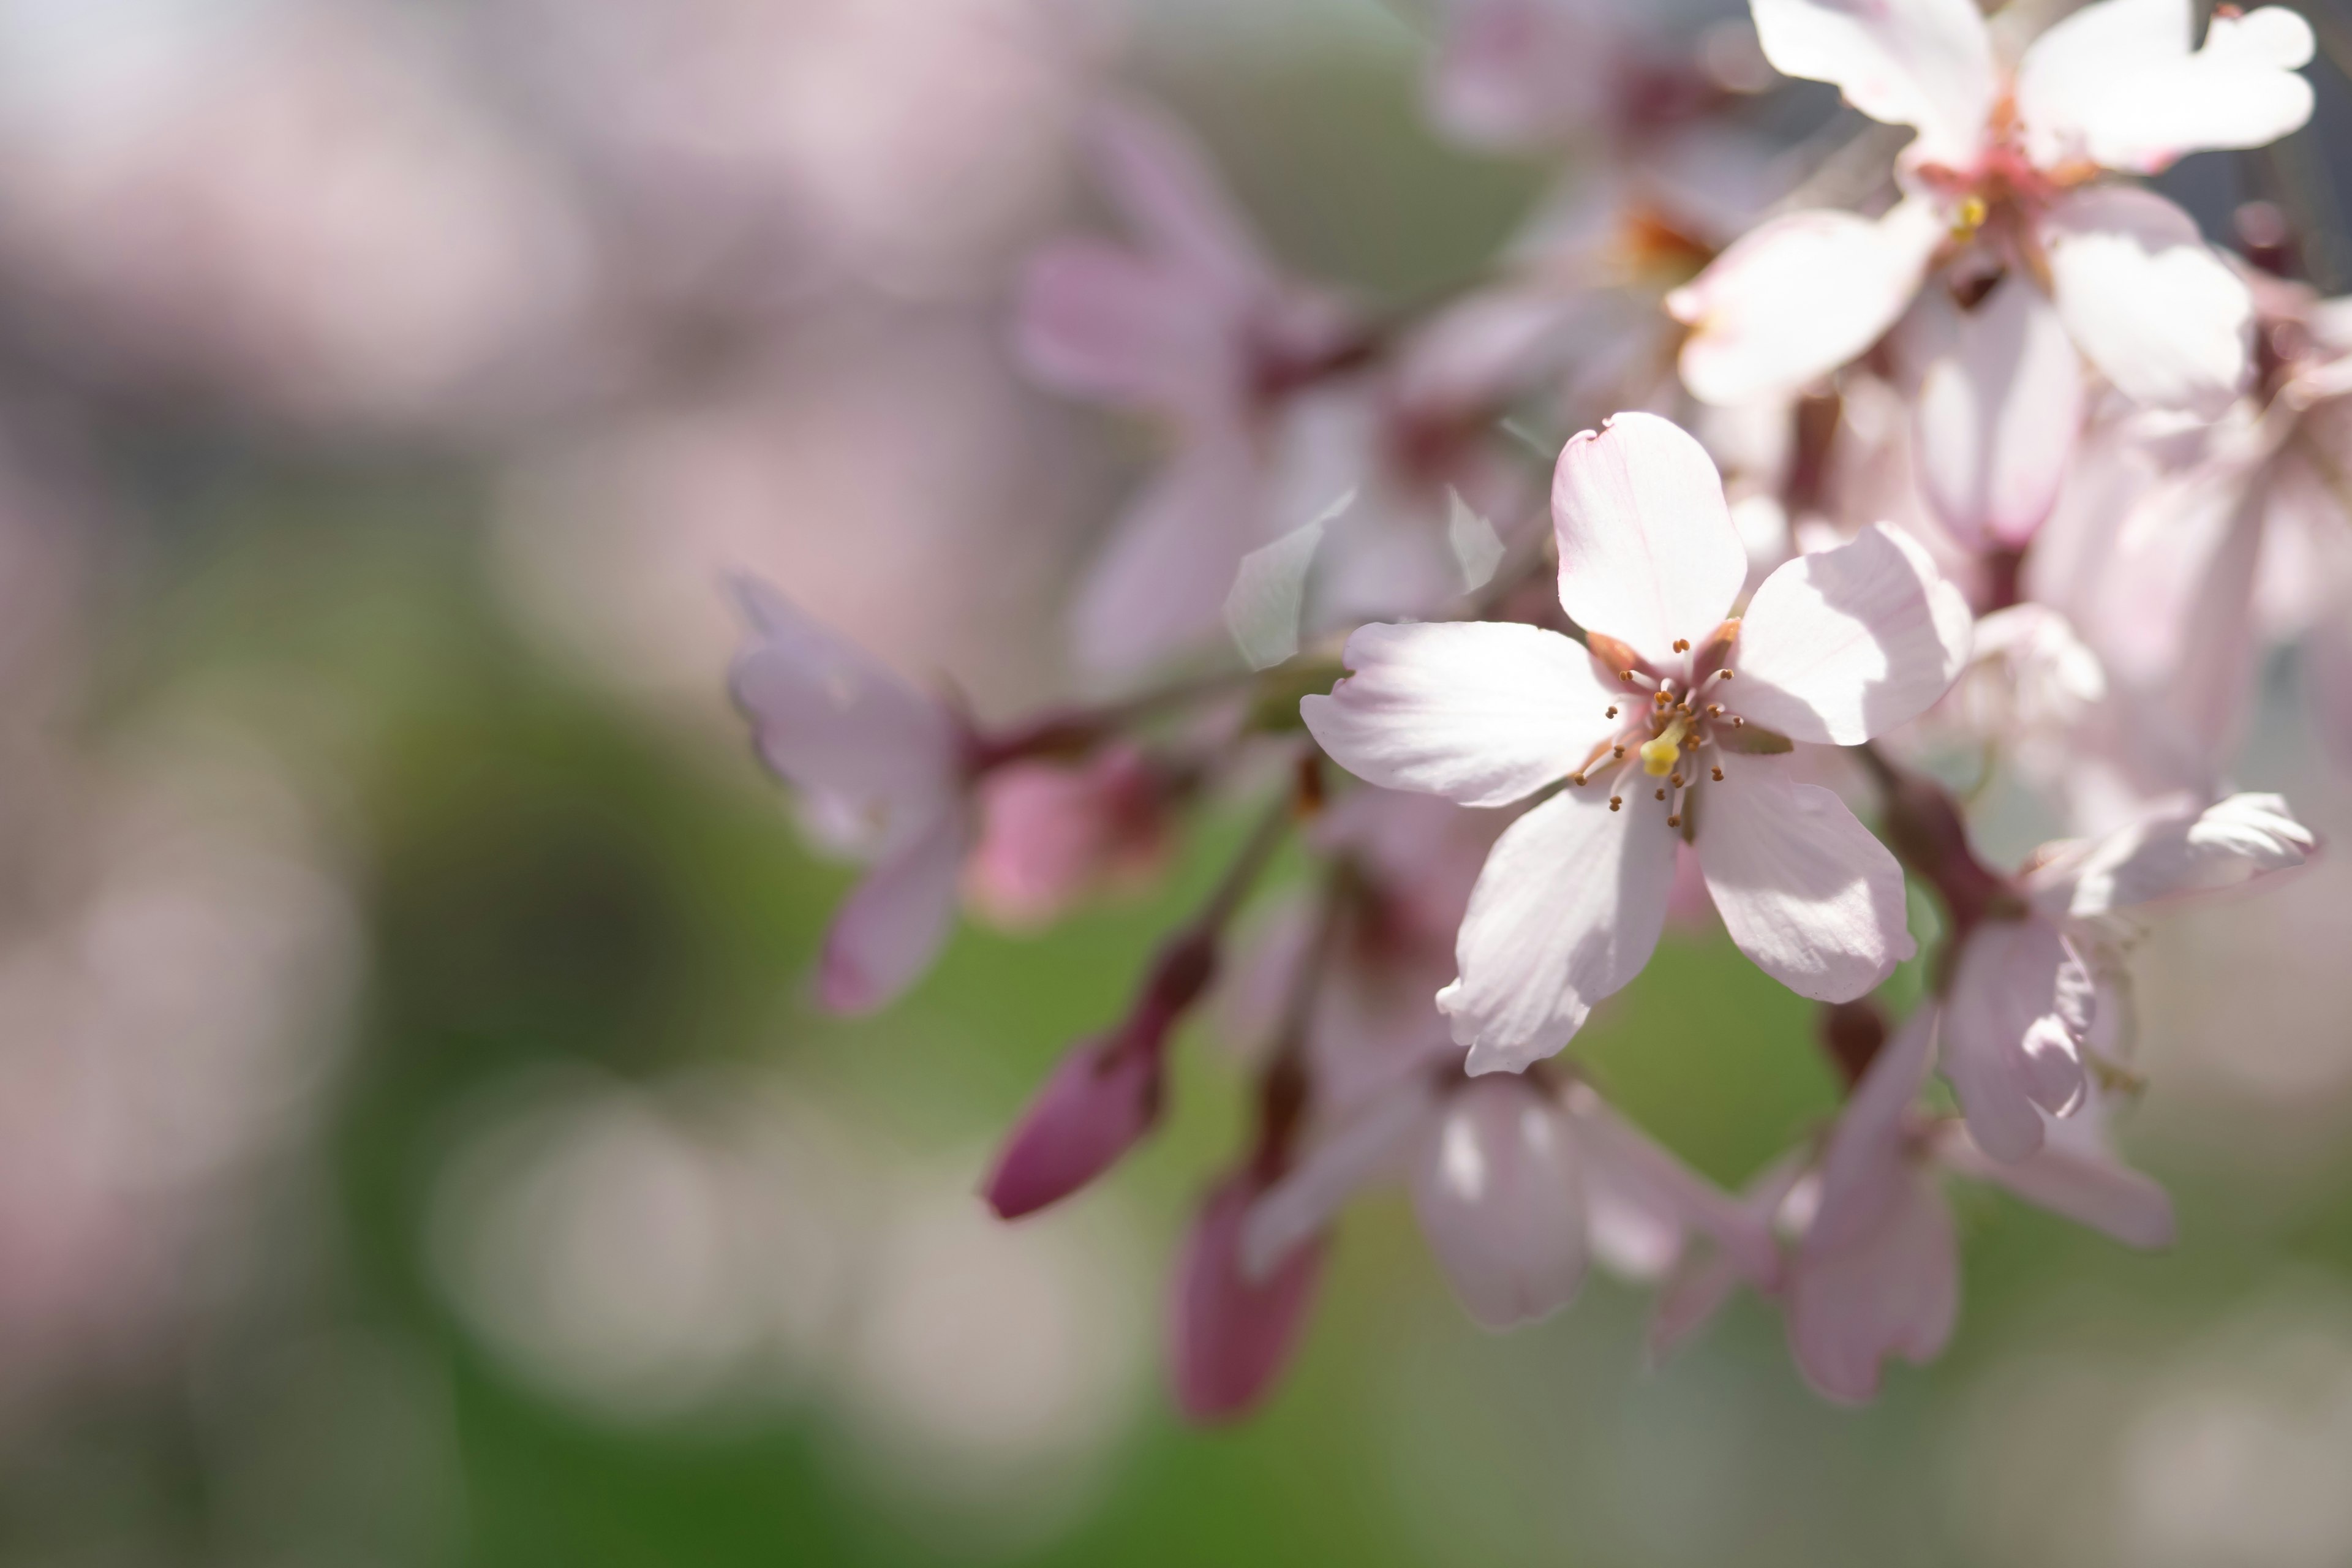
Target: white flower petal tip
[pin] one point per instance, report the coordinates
(2119, 84)
(1483, 713)
(1498, 1190)
(1647, 551)
(2148, 301)
(1567, 911)
(1800, 296)
(1927, 64)
(2171, 858)
(1847, 644)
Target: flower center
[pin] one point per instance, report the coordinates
(1670, 723)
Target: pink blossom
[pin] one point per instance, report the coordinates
(1516, 1182)
(1230, 1334)
(1051, 833)
(1875, 1269)
(1661, 729)
(881, 767)
(1193, 324)
(1098, 1104)
(2000, 177)
(2020, 1001)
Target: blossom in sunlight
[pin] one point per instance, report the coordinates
(881, 768)
(2005, 177)
(1874, 1271)
(1665, 726)
(2019, 1003)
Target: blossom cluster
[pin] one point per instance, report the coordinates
(1997, 479)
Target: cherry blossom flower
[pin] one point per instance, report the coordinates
(1875, 1269)
(2003, 176)
(1661, 728)
(881, 770)
(1195, 324)
(1516, 1182)
(2023, 988)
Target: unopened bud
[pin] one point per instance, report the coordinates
(1098, 1104)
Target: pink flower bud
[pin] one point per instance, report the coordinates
(1051, 834)
(1229, 1337)
(1099, 1102)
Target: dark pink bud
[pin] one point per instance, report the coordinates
(1230, 1336)
(1103, 1098)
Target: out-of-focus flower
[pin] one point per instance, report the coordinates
(2023, 988)
(1515, 1181)
(1834, 648)
(1999, 178)
(1193, 323)
(882, 769)
(1874, 1272)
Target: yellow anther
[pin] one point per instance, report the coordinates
(1969, 218)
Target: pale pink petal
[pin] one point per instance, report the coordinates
(1369, 1147)
(1748, 1252)
(1229, 1336)
(1800, 296)
(2115, 84)
(1647, 553)
(1567, 911)
(1642, 1201)
(2083, 1183)
(2178, 856)
(1481, 713)
(1157, 173)
(893, 923)
(1848, 643)
(2014, 1019)
(1159, 586)
(1101, 321)
(2148, 301)
(1495, 1188)
(1803, 888)
(1997, 417)
(1923, 63)
(832, 720)
(1869, 1154)
(1895, 1292)
(1100, 1101)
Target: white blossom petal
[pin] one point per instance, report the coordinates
(2083, 1183)
(893, 923)
(1894, 1293)
(833, 721)
(2014, 1020)
(1847, 644)
(2175, 857)
(1567, 911)
(1158, 585)
(1482, 713)
(1803, 888)
(1997, 417)
(1100, 321)
(1798, 295)
(2148, 301)
(1927, 64)
(1496, 1190)
(1647, 553)
(2115, 84)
